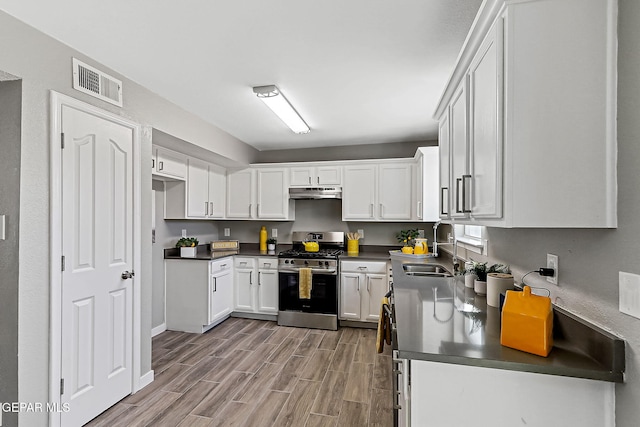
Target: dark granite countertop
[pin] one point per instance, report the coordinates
(442, 321)
(204, 254)
(370, 252)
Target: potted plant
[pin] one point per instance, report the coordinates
(480, 271)
(407, 238)
(188, 247)
(271, 244)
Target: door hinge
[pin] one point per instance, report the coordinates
(61, 386)
(62, 262)
(62, 140)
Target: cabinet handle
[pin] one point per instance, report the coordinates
(442, 200)
(251, 277)
(223, 266)
(418, 215)
(309, 180)
(368, 281)
(381, 210)
(458, 182)
(206, 208)
(153, 163)
(465, 179)
(259, 278)
(250, 205)
(211, 208)
(371, 214)
(215, 284)
(318, 180)
(358, 283)
(161, 165)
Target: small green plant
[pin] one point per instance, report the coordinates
(272, 241)
(480, 270)
(407, 236)
(187, 242)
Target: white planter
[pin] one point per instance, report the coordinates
(271, 247)
(188, 251)
(468, 280)
(480, 286)
(496, 284)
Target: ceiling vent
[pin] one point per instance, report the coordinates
(96, 83)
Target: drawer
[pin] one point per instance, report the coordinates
(240, 262)
(220, 265)
(268, 263)
(376, 267)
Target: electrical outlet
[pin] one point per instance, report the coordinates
(184, 232)
(421, 234)
(552, 262)
(361, 233)
(274, 232)
(629, 293)
(227, 232)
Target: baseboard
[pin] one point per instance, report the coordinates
(158, 330)
(256, 316)
(146, 379)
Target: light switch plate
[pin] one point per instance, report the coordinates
(227, 232)
(274, 232)
(629, 293)
(184, 232)
(361, 233)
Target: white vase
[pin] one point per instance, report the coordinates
(271, 246)
(496, 284)
(480, 286)
(188, 251)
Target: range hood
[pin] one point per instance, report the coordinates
(315, 193)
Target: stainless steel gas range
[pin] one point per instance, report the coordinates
(319, 307)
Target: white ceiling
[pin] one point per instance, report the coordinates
(358, 71)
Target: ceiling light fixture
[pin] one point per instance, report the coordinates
(276, 101)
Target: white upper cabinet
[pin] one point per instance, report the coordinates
(168, 164)
(240, 194)
(205, 190)
(259, 193)
(378, 192)
(359, 192)
(528, 119)
(427, 183)
(308, 176)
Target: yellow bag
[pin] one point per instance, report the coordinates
(527, 322)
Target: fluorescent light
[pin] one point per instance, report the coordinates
(276, 101)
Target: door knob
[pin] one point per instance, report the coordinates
(127, 275)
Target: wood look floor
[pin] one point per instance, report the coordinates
(254, 373)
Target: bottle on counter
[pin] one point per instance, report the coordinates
(263, 239)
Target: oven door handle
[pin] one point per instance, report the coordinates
(313, 270)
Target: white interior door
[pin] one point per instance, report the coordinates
(97, 245)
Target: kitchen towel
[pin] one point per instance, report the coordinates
(384, 327)
(304, 283)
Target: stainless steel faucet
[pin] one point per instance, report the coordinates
(456, 264)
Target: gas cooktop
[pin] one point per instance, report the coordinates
(322, 253)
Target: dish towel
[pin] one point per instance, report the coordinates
(304, 283)
(384, 326)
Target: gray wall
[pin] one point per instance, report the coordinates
(10, 121)
(44, 64)
(353, 152)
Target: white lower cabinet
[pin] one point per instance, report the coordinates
(504, 398)
(199, 294)
(362, 287)
(256, 285)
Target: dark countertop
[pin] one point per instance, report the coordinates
(204, 254)
(370, 252)
(442, 321)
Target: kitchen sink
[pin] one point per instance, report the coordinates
(434, 270)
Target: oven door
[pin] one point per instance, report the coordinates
(324, 293)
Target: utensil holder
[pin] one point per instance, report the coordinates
(353, 246)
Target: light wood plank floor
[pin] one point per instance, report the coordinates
(254, 373)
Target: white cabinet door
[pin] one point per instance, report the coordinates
(267, 290)
(376, 289)
(240, 192)
(273, 194)
(197, 189)
(350, 284)
(217, 192)
(459, 152)
(358, 199)
(329, 175)
(395, 193)
(301, 176)
(169, 163)
(243, 284)
(485, 126)
(427, 203)
(220, 294)
(444, 146)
